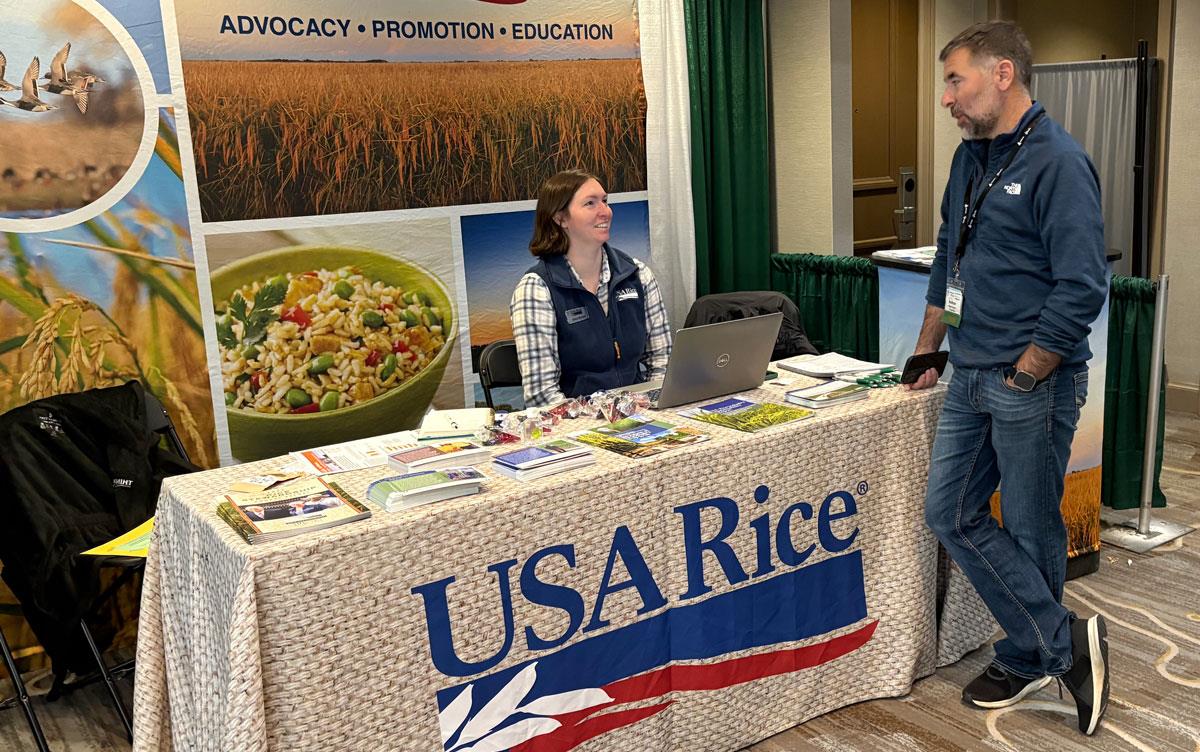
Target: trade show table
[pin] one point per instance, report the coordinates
(700, 599)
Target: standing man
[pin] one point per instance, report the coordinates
(1019, 276)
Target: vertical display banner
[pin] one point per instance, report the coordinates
(298, 223)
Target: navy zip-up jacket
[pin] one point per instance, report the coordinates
(1034, 268)
(596, 350)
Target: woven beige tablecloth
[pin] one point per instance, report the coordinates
(318, 642)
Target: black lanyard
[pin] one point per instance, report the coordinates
(967, 226)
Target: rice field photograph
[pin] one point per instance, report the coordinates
(111, 300)
(71, 110)
(300, 127)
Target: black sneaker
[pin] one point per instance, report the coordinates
(996, 688)
(1087, 681)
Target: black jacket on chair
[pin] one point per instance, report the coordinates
(726, 306)
(77, 470)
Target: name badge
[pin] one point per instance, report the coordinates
(575, 315)
(955, 293)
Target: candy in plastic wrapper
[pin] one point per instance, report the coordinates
(550, 418)
(512, 423)
(626, 406)
(641, 400)
(574, 408)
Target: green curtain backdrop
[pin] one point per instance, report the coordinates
(838, 298)
(730, 157)
(1127, 387)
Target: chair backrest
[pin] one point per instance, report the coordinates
(158, 421)
(498, 366)
(726, 306)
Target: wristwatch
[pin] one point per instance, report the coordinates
(1023, 380)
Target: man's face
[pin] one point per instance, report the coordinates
(971, 94)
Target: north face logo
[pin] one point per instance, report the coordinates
(1013, 189)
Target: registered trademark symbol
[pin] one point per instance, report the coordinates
(862, 487)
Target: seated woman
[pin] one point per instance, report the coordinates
(586, 316)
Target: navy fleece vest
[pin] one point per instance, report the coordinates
(596, 351)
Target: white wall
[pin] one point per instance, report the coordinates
(1181, 238)
(949, 18)
(809, 63)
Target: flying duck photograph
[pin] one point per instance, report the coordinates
(79, 90)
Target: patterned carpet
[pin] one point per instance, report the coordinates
(1151, 601)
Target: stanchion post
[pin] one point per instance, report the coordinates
(1144, 535)
(1149, 453)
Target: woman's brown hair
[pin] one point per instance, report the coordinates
(549, 238)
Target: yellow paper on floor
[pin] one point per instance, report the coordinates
(134, 543)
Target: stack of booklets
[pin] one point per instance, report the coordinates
(828, 394)
(640, 436)
(829, 365)
(744, 415)
(436, 456)
(541, 460)
(424, 487)
(291, 509)
(454, 424)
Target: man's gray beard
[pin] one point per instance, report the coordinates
(977, 130)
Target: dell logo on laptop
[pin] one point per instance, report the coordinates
(723, 360)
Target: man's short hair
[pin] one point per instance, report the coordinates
(1000, 40)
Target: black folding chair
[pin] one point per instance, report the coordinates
(498, 367)
(159, 422)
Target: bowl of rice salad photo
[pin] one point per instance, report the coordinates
(321, 344)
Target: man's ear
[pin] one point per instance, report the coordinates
(1005, 74)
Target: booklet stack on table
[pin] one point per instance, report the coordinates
(291, 509)
(541, 460)
(437, 456)
(828, 394)
(829, 365)
(425, 487)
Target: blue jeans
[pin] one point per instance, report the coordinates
(992, 434)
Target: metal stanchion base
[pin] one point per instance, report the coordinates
(1119, 528)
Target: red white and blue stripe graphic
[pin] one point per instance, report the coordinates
(562, 699)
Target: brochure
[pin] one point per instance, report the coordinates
(828, 393)
(353, 455)
(291, 509)
(745, 415)
(439, 455)
(640, 436)
(547, 452)
(135, 543)
(424, 487)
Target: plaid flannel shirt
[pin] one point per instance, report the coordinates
(534, 330)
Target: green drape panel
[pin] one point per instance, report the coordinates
(1127, 387)
(838, 297)
(730, 158)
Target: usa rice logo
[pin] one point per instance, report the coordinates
(572, 693)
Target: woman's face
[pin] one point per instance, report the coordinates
(587, 218)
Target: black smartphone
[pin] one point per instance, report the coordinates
(919, 364)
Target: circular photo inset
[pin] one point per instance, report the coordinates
(71, 110)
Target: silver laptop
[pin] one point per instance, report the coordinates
(714, 360)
